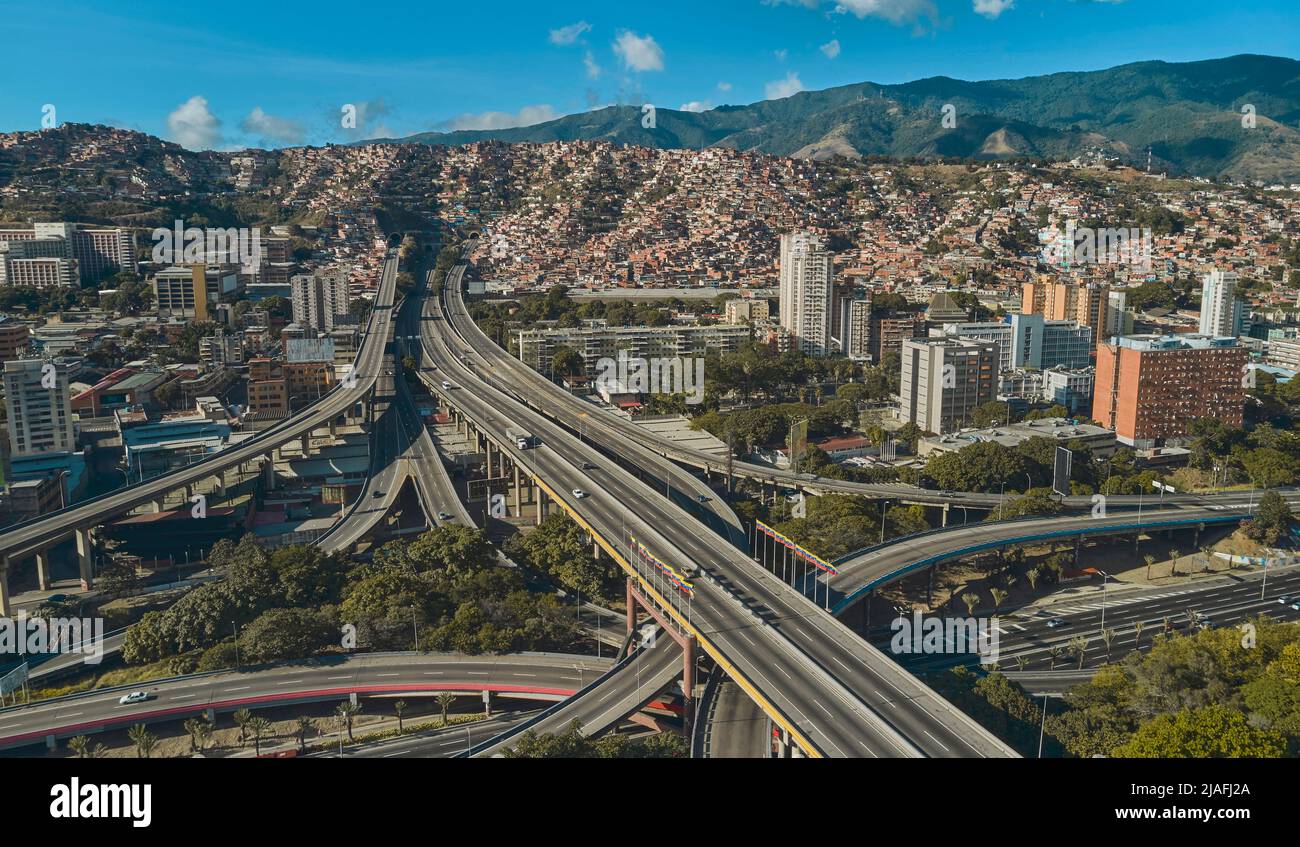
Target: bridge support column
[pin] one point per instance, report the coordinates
(160, 503)
(43, 569)
(334, 428)
(1078, 544)
(487, 704)
(306, 444)
(631, 608)
(518, 510)
(268, 472)
(489, 459)
(688, 686)
(5, 610)
(945, 516)
(541, 504)
(221, 483)
(85, 565)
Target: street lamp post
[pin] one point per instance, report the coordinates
(1105, 577)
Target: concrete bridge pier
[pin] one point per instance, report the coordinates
(5, 609)
(43, 569)
(85, 565)
(518, 506)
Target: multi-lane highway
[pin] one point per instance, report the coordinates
(833, 692)
(41, 532)
(536, 676)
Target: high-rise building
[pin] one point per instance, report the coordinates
(945, 379)
(1148, 386)
(320, 299)
(857, 332)
(743, 309)
(888, 330)
(1119, 320)
(14, 336)
(39, 408)
(1067, 301)
(1221, 311)
(1030, 341)
(192, 291)
(807, 277)
(96, 252)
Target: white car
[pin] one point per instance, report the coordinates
(579, 493)
(134, 697)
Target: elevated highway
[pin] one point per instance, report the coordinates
(829, 692)
(38, 534)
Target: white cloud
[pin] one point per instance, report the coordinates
(832, 47)
(639, 53)
(193, 125)
(271, 128)
(991, 9)
(724, 86)
(897, 12)
(593, 69)
(527, 116)
(782, 88)
(568, 35)
(695, 106)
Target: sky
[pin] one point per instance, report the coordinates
(274, 74)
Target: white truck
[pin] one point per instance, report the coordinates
(523, 439)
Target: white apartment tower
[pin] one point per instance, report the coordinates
(318, 299)
(40, 408)
(806, 288)
(1221, 310)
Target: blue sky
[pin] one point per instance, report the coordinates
(229, 75)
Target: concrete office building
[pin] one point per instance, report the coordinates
(96, 251)
(192, 291)
(1222, 313)
(1148, 387)
(945, 379)
(1088, 305)
(39, 407)
(1031, 341)
(807, 277)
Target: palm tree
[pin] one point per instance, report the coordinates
(398, 708)
(143, 739)
(1209, 557)
(1032, 575)
(1168, 624)
(1138, 626)
(971, 599)
(80, 746)
(1150, 560)
(242, 717)
(1108, 635)
(305, 725)
(1079, 647)
(199, 730)
(1022, 662)
(1173, 562)
(445, 702)
(998, 596)
(346, 711)
(1053, 656)
(258, 727)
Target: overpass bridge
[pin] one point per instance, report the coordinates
(36, 536)
(828, 691)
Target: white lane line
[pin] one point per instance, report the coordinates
(937, 741)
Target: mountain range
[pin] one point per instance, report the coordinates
(1237, 117)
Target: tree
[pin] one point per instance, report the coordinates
(398, 708)
(1209, 732)
(1079, 647)
(1150, 560)
(143, 739)
(200, 730)
(259, 727)
(80, 746)
(1108, 636)
(346, 712)
(305, 726)
(1173, 562)
(445, 702)
(119, 578)
(241, 718)
(1053, 656)
(998, 596)
(1138, 626)
(971, 599)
